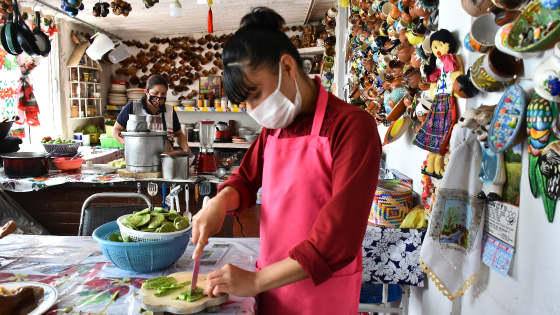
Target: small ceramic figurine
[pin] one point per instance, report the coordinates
(492, 172)
(443, 68)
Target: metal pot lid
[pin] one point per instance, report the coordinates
(177, 153)
(144, 133)
(23, 155)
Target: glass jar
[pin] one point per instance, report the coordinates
(75, 111)
(90, 110)
(73, 94)
(74, 76)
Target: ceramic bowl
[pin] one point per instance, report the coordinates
(396, 100)
(501, 44)
(534, 13)
(495, 71)
(396, 130)
(546, 77)
(483, 33)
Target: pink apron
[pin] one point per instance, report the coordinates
(297, 183)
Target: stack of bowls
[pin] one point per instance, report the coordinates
(134, 94)
(118, 94)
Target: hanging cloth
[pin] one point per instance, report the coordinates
(451, 251)
(27, 105)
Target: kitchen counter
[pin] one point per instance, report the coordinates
(55, 200)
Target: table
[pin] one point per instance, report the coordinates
(88, 284)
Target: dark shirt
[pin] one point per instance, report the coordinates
(122, 119)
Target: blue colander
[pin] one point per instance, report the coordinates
(140, 256)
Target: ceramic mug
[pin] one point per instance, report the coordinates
(330, 51)
(401, 25)
(467, 43)
(405, 15)
(483, 33)
(391, 21)
(395, 12)
(386, 10)
(320, 42)
(329, 61)
(329, 75)
(495, 71)
(333, 11)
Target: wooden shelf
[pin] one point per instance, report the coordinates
(85, 67)
(311, 51)
(210, 109)
(78, 98)
(84, 82)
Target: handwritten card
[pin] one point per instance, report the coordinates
(501, 221)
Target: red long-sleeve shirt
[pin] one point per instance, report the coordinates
(356, 150)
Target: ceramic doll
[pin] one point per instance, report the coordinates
(444, 67)
(492, 172)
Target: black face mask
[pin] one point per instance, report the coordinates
(157, 101)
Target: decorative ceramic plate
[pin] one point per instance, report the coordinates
(50, 297)
(396, 130)
(508, 119)
(535, 14)
(501, 44)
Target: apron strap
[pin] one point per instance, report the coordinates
(319, 111)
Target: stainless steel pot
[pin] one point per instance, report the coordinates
(142, 150)
(175, 164)
(136, 123)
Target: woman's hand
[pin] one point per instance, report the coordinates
(232, 280)
(207, 222)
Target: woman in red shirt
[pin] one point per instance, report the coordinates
(317, 161)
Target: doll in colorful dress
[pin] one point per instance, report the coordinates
(441, 71)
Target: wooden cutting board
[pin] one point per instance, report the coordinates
(126, 174)
(167, 304)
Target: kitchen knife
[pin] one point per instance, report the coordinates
(197, 262)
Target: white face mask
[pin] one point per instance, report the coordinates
(277, 111)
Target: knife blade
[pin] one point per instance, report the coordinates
(197, 262)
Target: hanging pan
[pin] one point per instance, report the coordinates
(41, 38)
(24, 35)
(9, 38)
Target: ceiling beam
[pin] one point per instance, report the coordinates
(309, 11)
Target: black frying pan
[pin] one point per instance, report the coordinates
(24, 35)
(9, 38)
(42, 40)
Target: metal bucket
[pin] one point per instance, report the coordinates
(175, 164)
(142, 150)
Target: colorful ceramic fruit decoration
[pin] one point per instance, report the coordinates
(444, 67)
(540, 116)
(508, 124)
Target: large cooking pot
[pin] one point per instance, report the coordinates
(175, 164)
(142, 150)
(25, 164)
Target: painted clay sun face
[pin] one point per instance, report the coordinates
(439, 48)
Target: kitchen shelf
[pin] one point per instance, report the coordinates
(85, 67)
(311, 50)
(114, 107)
(89, 117)
(223, 145)
(210, 109)
(89, 98)
(84, 82)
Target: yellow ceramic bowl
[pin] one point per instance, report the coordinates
(413, 39)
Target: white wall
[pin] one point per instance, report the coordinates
(531, 284)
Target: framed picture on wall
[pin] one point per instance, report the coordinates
(210, 84)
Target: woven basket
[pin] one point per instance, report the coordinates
(391, 203)
(62, 148)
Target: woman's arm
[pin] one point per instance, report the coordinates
(182, 140)
(116, 130)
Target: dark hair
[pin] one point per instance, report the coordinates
(258, 43)
(154, 80)
(445, 37)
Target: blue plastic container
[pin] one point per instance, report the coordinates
(373, 293)
(140, 256)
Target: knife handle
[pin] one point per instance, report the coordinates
(196, 191)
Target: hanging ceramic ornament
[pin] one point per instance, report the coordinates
(547, 76)
(508, 121)
(501, 44)
(396, 130)
(540, 116)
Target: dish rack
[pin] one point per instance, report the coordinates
(139, 236)
(62, 148)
